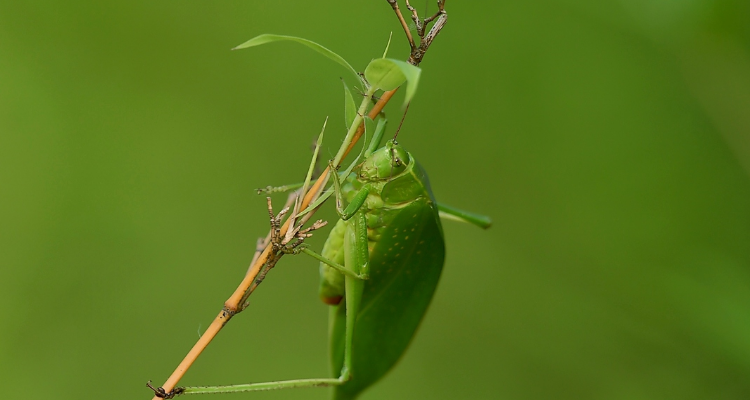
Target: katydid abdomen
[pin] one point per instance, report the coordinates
(406, 254)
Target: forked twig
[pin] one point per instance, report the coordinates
(407, 31)
(425, 39)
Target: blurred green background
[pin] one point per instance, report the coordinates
(609, 140)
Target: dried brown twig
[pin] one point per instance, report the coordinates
(407, 31)
(425, 39)
(418, 50)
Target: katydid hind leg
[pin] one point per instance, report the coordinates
(356, 257)
(296, 383)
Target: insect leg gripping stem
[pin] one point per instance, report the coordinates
(355, 271)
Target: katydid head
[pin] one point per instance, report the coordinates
(388, 161)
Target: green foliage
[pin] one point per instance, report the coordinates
(606, 137)
(350, 108)
(269, 38)
(387, 45)
(403, 266)
(369, 131)
(382, 73)
(388, 74)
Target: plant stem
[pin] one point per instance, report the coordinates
(358, 120)
(233, 305)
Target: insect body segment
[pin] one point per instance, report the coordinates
(381, 187)
(331, 281)
(405, 254)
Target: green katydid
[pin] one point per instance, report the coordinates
(383, 258)
(382, 261)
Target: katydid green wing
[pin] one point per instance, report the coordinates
(405, 266)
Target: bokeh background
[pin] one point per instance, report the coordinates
(609, 141)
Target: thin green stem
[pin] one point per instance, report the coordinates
(358, 119)
(255, 387)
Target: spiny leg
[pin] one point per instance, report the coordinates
(357, 202)
(356, 259)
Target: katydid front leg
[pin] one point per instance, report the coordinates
(348, 237)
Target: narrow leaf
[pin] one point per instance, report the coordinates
(325, 195)
(350, 108)
(268, 38)
(388, 46)
(369, 131)
(369, 127)
(314, 159)
(377, 136)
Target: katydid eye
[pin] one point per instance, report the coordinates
(399, 156)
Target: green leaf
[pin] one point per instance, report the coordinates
(369, 129)
(350, 108)
(388, 74)
(268, 38)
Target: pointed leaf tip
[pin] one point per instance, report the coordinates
(268, 38)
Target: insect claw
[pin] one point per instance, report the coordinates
(161, 393)
(298, 249)
(158, 390)
(333, 167)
